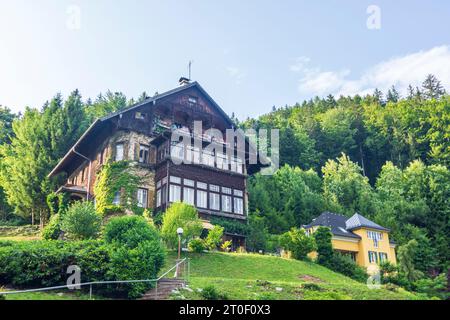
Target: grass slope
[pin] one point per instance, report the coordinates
(250, 276)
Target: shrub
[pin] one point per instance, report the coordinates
(211, 293)
(53, 229)
(81, 222)
(45, 263)
(196, 245)
(142, 262)
(346, 266)
(214, 238)
(226, 246)
(129, 231)
(298, 243)
(436, 287)
(180, 215)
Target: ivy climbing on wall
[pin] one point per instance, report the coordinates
(116, 177)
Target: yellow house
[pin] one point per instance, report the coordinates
(366, 242)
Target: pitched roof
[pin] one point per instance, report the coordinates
(102, 122)
(342, 226)
(336, 222)
(358, 221)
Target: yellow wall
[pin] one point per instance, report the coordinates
(361, 247)
(366, 245)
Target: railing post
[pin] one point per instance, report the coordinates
(156, 290)
(90, 291)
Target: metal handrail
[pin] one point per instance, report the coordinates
(68, 286)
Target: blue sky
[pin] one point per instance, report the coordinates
(249, 55)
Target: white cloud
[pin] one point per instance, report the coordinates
(398, 71)
(237, 74)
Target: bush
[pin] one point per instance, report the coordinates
(211, 293)
(214, 238)
(129, 231)
(136, 253)
(81, 222)
(196, 245)
(298, 243)
(180, 215)
(45, 263)
(436, 287)
(226, 246)
(53, 229)
(346, 266)
(141, 262)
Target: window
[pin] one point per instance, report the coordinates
(375, 236)
(226, 190)
(192, 100)
(158, 184)
(174, 193)
(201, 185)
(214, 201)
(214, 188)
(139, 115)
(226, 203)
(119, 152)
(116, 200)
(383, 257)
(158, 198)
(189, 183)
(238, 193)
(373, 257)
(142, 198)
(189, 196)
(143, 154)
(175, 180)
(202, 199)
(238, 206)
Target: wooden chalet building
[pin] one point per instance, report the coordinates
(141, 134)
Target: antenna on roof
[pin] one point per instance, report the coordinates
(190, 69)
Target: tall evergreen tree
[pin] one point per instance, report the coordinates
(432, 87)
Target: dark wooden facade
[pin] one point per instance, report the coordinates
(141, 134)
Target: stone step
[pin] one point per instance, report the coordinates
(165, 287)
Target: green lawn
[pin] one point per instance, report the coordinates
(52, 295)
(249, 276)
(21, 233)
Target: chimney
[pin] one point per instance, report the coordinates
(183, 81)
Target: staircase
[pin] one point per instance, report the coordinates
(164, 288)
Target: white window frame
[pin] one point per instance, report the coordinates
(142, 198)
(120, 152)
(214, 188)
(189, 183)
(202, 185)
(142, 150)
(174, 193)
(214, 201)
(227, 205)
(158, 198)
(238, 205)
(189, 196)
(202, 199)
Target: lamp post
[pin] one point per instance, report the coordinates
(180, 233)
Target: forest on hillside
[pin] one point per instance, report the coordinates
(382, 155)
